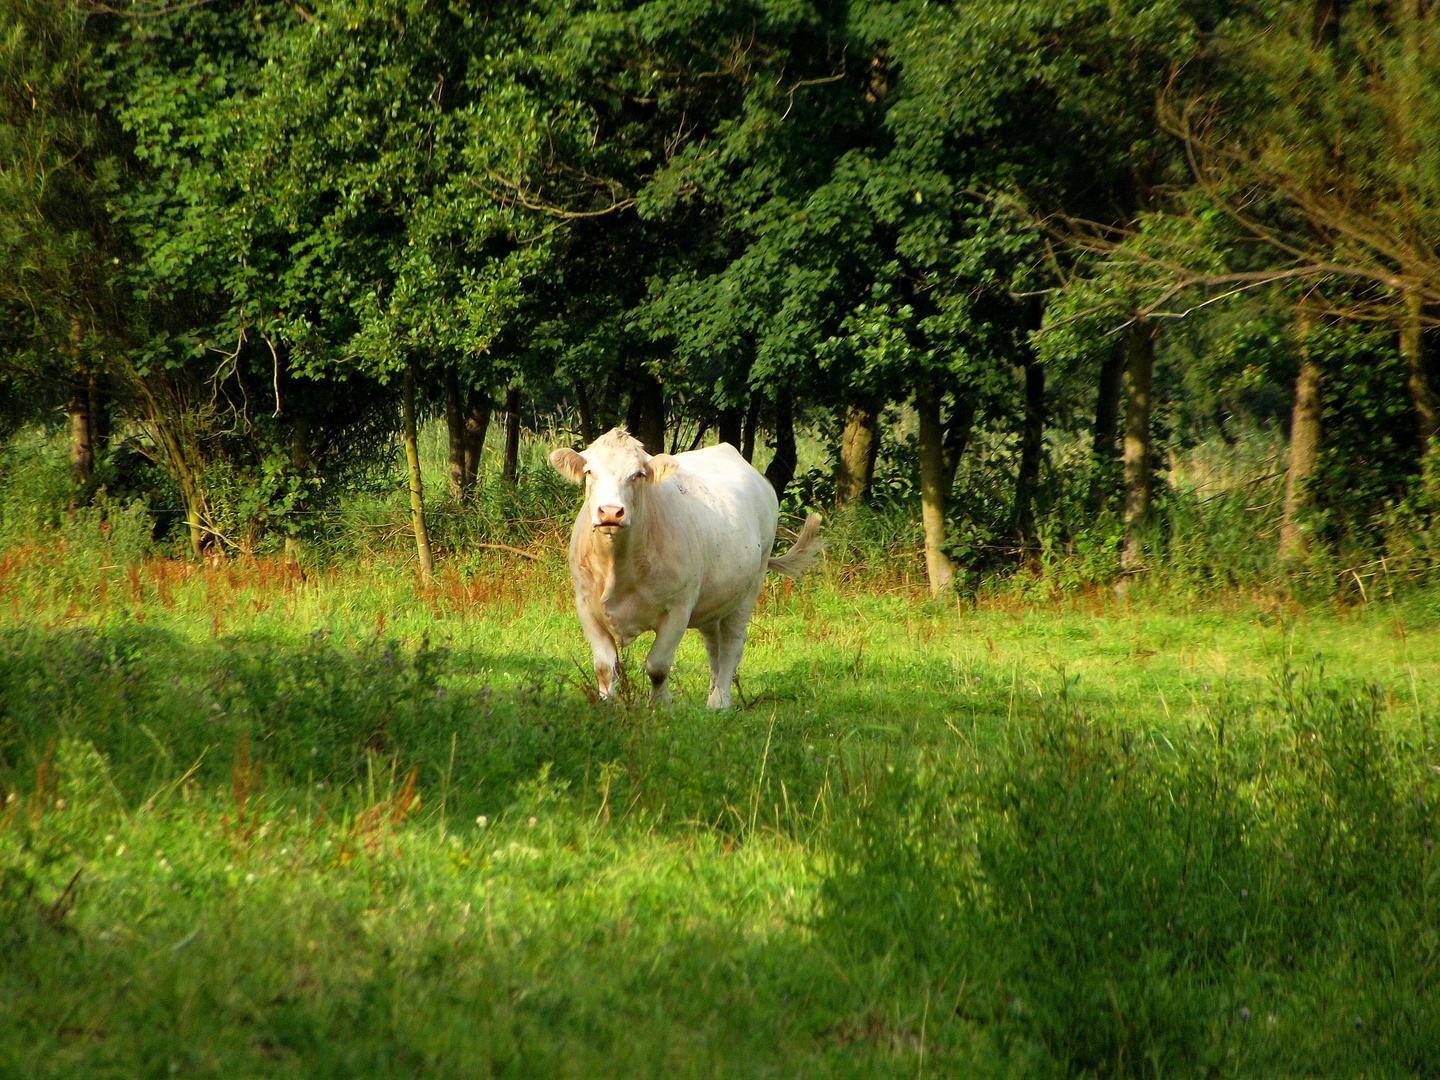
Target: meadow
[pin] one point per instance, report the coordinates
(261, 821)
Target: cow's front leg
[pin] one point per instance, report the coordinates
(661, 657)
(602, 647)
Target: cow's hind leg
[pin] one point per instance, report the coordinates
(661, 657)
(730, 633)
(714, 639)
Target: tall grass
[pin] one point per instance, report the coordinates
(1255, 898)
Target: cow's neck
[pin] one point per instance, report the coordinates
(614, 555)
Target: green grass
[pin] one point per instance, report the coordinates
(266, 825)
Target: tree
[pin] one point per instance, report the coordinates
(1305, 433)
(60, 299)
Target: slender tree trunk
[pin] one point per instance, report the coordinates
(857, 455)
(511, 468)
(300, 464)
(99, 418)
(752, 423)
(957, 436)
(934, 492)
(1325, 22)
(1422, 393)
(1032, 447)
(1305, 436)
(646, 415)
(477, 424)
(1106, 427)
(587, 417)
(190, 499)
(781, 469)
(455, 428)
(732, 423)
(1139, 376)
(162, 407)
(82, 458)
(412, 460)
(196, 526)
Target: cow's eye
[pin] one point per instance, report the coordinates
(639, 475)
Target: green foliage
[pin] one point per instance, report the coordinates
(1370, 455)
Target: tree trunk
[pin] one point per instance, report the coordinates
(412, 460)
(1305, 435)
(1325, 22)
(747, 441)
(781, 469)
(1422, 394)
(957, 436)
(587, 416)
(698, 438)
(162, 408)
(1106, 427)
(511, 468)
(198, 531)
(99, 419)
(934, 492)
(732, 423)
(190, 499)
(1032, 447)
(82, 458)
(646, 415)
(857, 455)
(477, 424)
(1139, 375)
(455, 428)
(300, 464)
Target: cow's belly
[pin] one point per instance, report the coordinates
(724, 596)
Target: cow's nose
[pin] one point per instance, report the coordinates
(610, 515)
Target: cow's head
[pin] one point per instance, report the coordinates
(616, 471)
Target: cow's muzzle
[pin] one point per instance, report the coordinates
(611, 517)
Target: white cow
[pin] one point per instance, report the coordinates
(668, 542)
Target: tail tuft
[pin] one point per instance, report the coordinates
(803, 553)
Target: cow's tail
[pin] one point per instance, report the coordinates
(803, 552)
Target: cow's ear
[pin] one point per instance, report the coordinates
(569, 464)
(660, 466)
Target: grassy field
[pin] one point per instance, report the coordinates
(265, 824)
